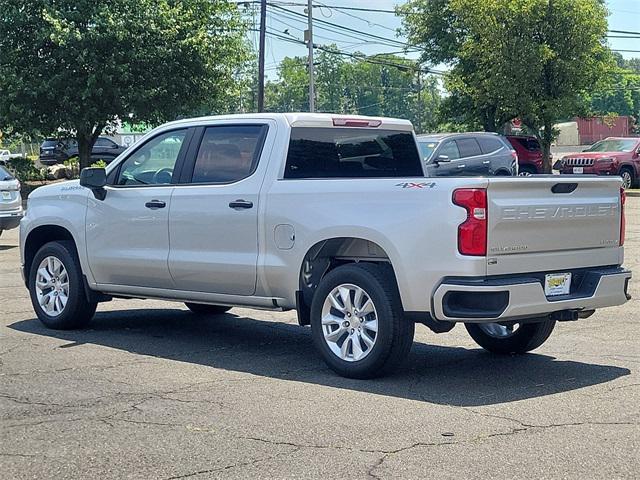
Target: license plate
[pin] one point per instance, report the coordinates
(578, 169)
(557, 284)
(6, 195)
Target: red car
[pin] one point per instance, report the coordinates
(611, 156)
(529, 154)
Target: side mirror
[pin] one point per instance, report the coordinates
(441, 159)
(94, 179)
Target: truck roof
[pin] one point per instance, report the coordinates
(305, 119)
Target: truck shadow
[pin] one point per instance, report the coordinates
(435, 374)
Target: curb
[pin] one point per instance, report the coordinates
(633, 193)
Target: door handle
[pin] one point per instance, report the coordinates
(486, 162)
(153, 204)
(461, 166)
(241, 204)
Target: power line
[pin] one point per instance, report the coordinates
(626, 32)
(335, 25)
(336, 7)
(369, 59)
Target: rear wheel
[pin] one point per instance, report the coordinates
(57, 288)
(510, 337)
(526, 171)
(628, 179)
(204, 309)
(357, 321)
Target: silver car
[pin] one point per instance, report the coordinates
(10, 200)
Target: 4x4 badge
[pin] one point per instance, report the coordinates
(416, 185)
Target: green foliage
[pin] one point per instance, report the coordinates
(73, 166)
(381, 85)
(532, 59)
(99, 164)
(619, 93)
(25, 169)
(77, 66)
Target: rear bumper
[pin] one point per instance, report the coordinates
(10, 219)
(491, 299)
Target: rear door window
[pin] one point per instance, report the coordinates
(228, 153)
(468, 147)
(489, 144)
(351, 153)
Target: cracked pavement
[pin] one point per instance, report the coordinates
(153, 391)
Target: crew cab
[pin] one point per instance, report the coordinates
(334, 217)
(611, 156)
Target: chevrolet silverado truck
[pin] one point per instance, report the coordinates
(334, 217)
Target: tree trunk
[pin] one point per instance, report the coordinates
(489, 119)
(547, 138)
(85, 145)
(86, 139)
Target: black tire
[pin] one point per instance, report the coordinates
(77, 312)
(526, 171)
(395, 334)
(204, 309)
(527, 337)
(632, 181)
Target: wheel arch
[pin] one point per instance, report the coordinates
(39, 236)
(329, 253)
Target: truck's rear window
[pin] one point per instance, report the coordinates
(351, 153)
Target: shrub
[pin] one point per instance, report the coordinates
(73, 166)
(99, 164)
(25, 169)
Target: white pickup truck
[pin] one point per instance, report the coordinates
(331, 216)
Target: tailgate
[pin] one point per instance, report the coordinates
(551, 217)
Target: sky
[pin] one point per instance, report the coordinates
(624, 15)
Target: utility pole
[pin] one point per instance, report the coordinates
(308, 36)
(263, 27)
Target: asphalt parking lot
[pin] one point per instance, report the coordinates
(153, 391)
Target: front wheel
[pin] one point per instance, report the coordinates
(627, 178)
(510, 337)
(57, 288)
(204, 309)
(357, 321)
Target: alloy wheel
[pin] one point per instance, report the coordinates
(349, 322)
(52, 286)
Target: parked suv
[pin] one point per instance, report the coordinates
(467, 155)
(529, 154)
(55, 150)
(10, 200)
(611, 156)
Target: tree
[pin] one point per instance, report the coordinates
(77, 67)
(531, 59)
(619, 94)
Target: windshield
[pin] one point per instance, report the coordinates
(614, 145)
(427, 148)
(5, 174)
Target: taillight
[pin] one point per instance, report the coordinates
(472, 233)
(623, 198)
